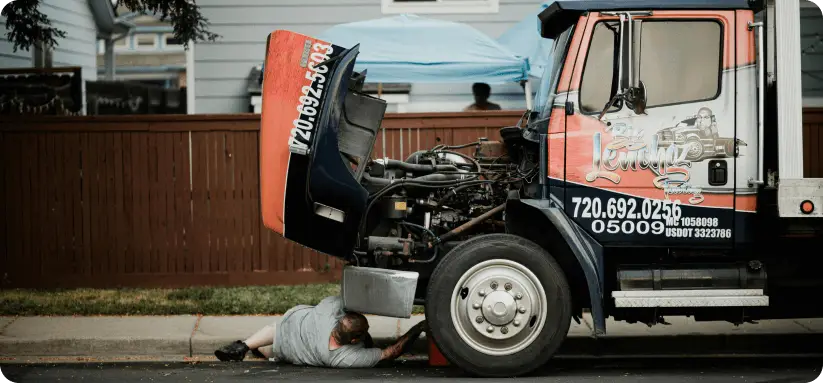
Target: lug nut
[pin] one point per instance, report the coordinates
(516, 323)
(476, 305)
(494, 285)
(504, 330)
(518, 296)
(508, 286)
(479, 319)
(490, 329)
(522, 309)
(482, 293)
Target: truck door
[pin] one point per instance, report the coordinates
(663, 173)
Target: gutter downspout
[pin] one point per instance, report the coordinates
(190, 79)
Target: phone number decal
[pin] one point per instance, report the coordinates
(309, 101)
(655, 217)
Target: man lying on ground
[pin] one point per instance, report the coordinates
(323, 336)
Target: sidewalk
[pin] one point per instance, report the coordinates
(177, 338)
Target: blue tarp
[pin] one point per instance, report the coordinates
(524, 39)
(414, 49)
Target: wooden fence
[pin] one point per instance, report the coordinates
(151, 201)
(169, 201)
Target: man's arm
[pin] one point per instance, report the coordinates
(404, 342)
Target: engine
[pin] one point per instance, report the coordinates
(435, 199)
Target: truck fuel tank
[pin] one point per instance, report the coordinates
(742, 275)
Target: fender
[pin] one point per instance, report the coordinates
(587, 251)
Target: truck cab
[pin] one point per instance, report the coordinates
(656, 176)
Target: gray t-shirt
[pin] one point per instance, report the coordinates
(302, 338)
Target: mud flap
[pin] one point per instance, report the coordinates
(317, 131)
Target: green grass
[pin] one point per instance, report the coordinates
(257, 300)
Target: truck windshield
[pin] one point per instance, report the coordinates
(551, 75)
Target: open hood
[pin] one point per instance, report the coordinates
(317, 133)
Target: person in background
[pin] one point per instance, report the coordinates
(481, 91)
(321, 336)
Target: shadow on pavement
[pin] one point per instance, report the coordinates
(761, 370)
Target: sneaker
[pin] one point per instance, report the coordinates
(234, 352)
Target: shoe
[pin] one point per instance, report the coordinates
(232, 352)
(256, 352)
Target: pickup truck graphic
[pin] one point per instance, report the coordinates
(698, 135)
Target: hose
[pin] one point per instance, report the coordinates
(440, 177)
(472, 160)
(468, 225)
(452, 193)
(428, 185)
(429, 180)
(434, 257)
(418, 168)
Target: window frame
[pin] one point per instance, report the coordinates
(618, 60)
(154, 46)
(615, 72)
(393, 7)
(720, 68)
(545, 111)
(166, 46)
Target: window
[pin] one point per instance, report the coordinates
(599, 82)
(172, 41)
(145, 41)
(680, 61)
(551, 76)
(122, 43)
(440, 6)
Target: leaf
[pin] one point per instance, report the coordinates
(27, 26)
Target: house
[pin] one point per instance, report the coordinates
(84, 21)
(148, 54)
(226, 70)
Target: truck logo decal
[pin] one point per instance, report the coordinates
(669, 153)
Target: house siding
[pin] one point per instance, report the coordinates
(8, 57)
(222, 67)
(78, 48)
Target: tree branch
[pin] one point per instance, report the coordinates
(185, 16)
(27, 26)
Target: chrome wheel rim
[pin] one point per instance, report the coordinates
(498, 307)
(695, 149)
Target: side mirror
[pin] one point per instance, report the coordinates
(636, 98)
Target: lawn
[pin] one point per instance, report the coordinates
(257, 300)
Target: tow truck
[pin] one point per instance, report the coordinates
(658, 175)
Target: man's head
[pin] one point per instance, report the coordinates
(481, 91)
(351, 329)
(704, 118)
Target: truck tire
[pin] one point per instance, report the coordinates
(498, 305)
(694, 149)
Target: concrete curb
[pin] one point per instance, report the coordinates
(181, 337)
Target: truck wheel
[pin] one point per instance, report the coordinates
(498, 305)
(694, 148)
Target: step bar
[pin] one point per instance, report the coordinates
(690, 298)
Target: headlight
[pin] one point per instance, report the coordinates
(679, 136)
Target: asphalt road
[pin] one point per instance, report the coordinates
(578, 370)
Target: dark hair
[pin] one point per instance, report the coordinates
(352, 326)
(481, 88)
